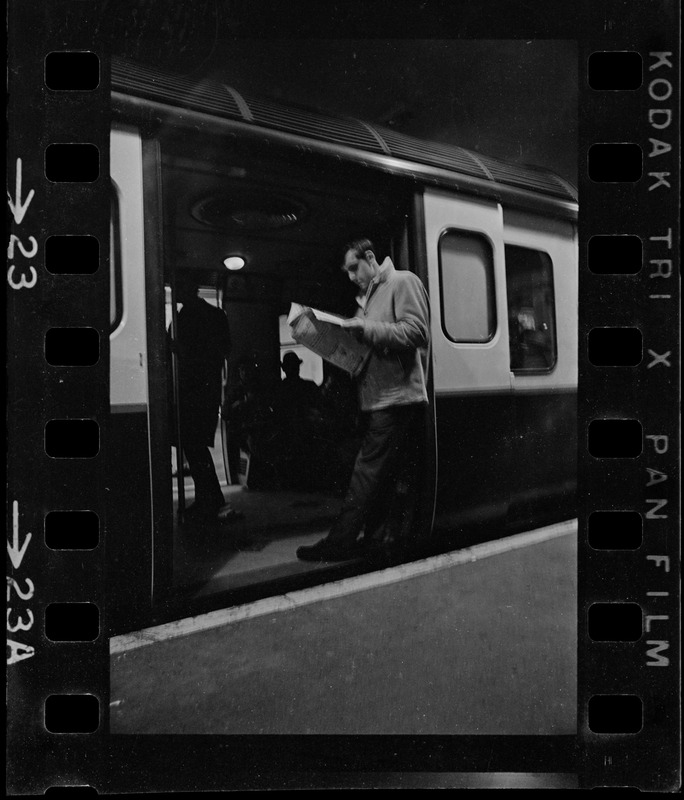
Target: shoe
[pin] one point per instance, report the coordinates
(324, 551)
(229, 514)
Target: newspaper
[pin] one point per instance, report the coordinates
(324, 334)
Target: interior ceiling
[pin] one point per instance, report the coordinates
(276, 215)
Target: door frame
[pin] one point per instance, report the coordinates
(417, 245)
(158, 408)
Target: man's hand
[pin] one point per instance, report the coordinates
(355, 325)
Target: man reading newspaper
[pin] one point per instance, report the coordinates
(328, 336)
(393, 323)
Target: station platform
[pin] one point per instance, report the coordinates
(478, 641)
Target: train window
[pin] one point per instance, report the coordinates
(310, 364)
(531, 310)
(115, 272)
(466, 272)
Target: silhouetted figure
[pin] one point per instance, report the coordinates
(202, 345)
(297, 420)
(294, 398)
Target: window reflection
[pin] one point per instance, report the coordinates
(531, 311)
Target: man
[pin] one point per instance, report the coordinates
(295, 396)
(202, 346)
(296, 404)
(393, 319)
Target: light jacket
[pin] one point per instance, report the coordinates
(396, 318)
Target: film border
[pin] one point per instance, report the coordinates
(38, 484)
(648, 300)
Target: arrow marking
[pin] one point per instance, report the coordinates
(18, 208)
(16, 553)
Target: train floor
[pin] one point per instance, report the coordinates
(260, 545)
(478, 641)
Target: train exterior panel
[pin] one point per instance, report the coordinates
(494, 244)
(496, 422)
(128, 337)
(129, 511)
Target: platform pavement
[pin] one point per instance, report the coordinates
(486, 645)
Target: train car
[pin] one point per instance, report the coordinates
(204, 180)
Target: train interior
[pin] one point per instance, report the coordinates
(283, 464)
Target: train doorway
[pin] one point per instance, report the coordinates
(282, 466)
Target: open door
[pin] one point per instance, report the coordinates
(284, 476)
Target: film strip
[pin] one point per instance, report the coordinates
(629, 588)
(629, 248)
(59, 301)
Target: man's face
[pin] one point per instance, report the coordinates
(360, 271)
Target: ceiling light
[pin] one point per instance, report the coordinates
(234, 262)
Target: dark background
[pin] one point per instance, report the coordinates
(514, 99)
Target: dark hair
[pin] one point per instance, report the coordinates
(360, 246)
(188, 281)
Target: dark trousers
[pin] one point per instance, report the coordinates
(207, 487)
(388, 454)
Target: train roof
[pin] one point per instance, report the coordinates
(488, 175)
